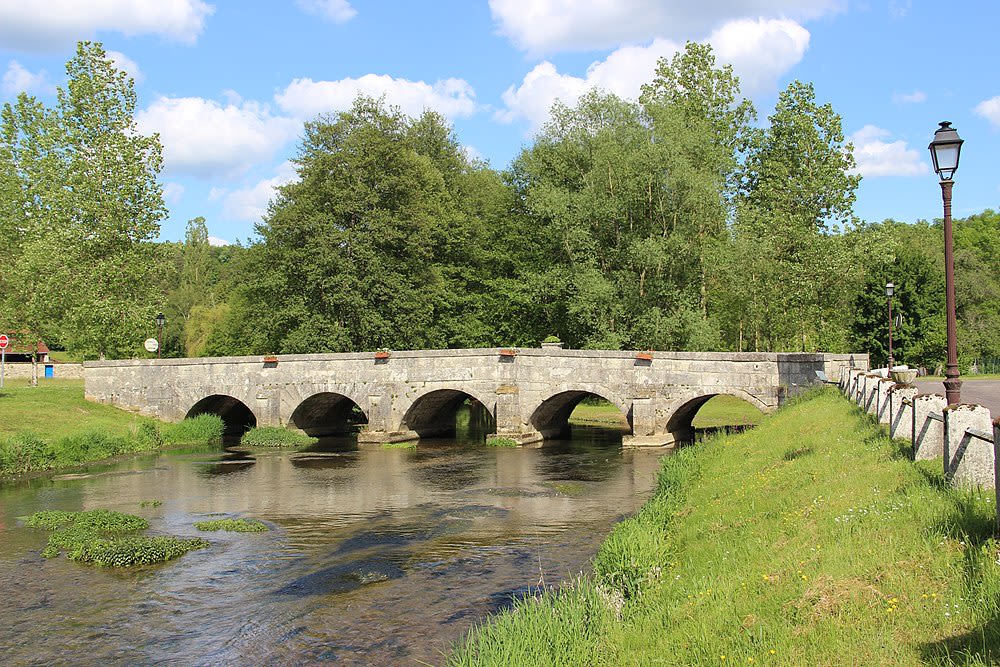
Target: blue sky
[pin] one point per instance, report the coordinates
(227, 84)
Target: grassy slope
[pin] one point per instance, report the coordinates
(57, 408)
(810, 540)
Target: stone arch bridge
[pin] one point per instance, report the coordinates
(407, 395)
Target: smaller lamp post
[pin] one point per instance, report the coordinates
(945, 150)
(160, 321)
(890, 289)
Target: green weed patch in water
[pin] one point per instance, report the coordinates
(233, 525)
(501, 442)
(107, 538)
(409, 444)
(275, 436)
(203, 429)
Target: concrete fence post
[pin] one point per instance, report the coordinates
(871, 393)
(859, 389)
(901, 411)
(928, 432)
(882, 415)
(969, 459)
(996, 469)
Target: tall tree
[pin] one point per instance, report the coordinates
(798, 191)
(366, 248)
(89, 204)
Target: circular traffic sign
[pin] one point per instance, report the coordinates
(151, 345)
(4, 341)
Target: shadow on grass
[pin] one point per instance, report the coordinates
(980, 646)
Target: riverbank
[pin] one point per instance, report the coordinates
(53, 426)
(811, 539)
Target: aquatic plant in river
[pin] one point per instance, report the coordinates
(107, 538)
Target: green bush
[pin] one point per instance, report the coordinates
(203, 429)
(233, 525)
(24, 452)
(275, 436)
(107, 538)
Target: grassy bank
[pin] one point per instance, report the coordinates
(52, 426)
(810, 540)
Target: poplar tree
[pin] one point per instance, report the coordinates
(87, 205)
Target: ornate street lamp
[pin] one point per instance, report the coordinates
(945, 150)
(160, 321)
(890, 289)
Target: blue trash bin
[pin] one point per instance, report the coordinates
(50, 372)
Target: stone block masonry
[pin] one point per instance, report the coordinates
(405, 395)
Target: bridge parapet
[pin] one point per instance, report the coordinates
(528, 392)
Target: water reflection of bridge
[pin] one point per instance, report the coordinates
(528, 394)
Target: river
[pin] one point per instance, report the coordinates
(375, 556)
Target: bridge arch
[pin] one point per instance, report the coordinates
(236, 416)
(680, 423)
(551, 417)
(327, 413)
(433, 413)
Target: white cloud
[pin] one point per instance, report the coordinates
(250, 204)
(916, 97)
(760, 52)
(18, 80)
(53, 24)
(545, 26)
(126, 64)
(204, 138)
(172, 192)
(217, 242)
(338, 11)
(306, 98)
(990, 109)
(876, 157)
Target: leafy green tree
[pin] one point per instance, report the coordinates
(370, 247)
(798, 192)
(87, 206)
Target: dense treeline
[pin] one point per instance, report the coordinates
(672, 222)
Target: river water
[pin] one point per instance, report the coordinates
(375, 556)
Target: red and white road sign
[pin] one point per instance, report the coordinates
(4, 341)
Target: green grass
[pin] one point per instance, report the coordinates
(53, 426)
(276, 436)
(233, 525)
(809, 540)
(106, 538)
(198, 430)
(57, 408)
(501, 442)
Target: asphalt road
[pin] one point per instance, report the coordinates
(982, 392)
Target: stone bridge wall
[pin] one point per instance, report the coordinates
(404, 396)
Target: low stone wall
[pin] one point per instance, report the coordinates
(964, 437)
(59, 371)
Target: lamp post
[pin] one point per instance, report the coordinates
(160, 321)
(890, 289)
(945, 150)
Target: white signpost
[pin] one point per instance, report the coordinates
(4, 344)
(151, 345)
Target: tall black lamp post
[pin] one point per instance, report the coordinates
(160, 321)
(945, 149)
(890, 289)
